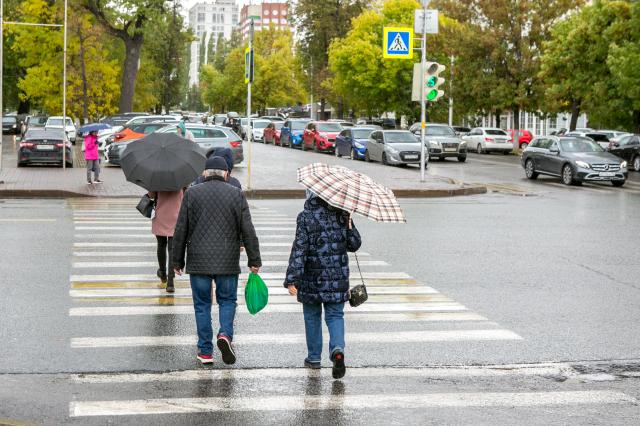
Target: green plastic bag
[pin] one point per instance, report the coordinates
(256, 294)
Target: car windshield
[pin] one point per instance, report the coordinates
(362, 133)
(495, 132)
(260, 124)
(580, 145)
(298, 125)
(9, 120)
(58, 122)
(439, 131)
(38, 120)
(399, 137)
(329, 127)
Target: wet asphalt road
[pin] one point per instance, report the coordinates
(546, 279)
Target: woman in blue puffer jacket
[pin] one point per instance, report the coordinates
(318, 274)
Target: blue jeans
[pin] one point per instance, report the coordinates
(226, 296)
(334, 317)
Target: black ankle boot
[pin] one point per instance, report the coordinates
(170, 287)
(162, 275)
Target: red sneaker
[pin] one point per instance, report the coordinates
(205, 359)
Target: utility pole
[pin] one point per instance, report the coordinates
(451, 95)
(424, 162)
(1, 76)
(64, 91)
(249, 82)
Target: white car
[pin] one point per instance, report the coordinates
(69, 127)
(257, 129)
(599, 137)
(488, 139)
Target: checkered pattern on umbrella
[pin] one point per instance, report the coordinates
(351, 191)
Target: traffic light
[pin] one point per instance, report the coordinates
(433, 81)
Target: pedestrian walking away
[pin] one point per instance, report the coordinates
(163, 223)
(92, 157)
(318, 274)
(214, 219)
(227, 154)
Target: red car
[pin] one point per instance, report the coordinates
(524, 137)
(272, 132)
(320, 136)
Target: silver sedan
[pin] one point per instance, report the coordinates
(393, 147)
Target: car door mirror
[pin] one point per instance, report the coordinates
(616, 144)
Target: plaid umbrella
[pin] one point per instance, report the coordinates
(351, 191)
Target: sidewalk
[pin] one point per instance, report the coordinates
(270, 178)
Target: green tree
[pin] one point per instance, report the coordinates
(127, 21)
(322, 21)
(221, 51)
(511, 33)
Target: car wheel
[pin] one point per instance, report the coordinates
(567, 175)
(462, 158)
(524, 145)
(636, 163)
(506, 152)
(352, 154)
(618, 183)
(366, 156)
(479, 149)
(69, 165)
(530, 170)
(21, 164)
(384, 159)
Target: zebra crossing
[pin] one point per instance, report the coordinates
(113, 285)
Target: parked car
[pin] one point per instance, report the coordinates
(442, 141)
(524, 137)
(574, 160)
(10, 124)
(320, 136)
(628, 148)
(44, 146)
(613, 134)
(601, 138)
(272, 132)
(488, 139)
(69, 127)
(219, 119)
(369, 126)
(343, 123)
(461, 130)
(393, 147)
(292, 131)
(137, 131)
(353, 142)
(271, 118)
(212, 137)
(257, 129)
(33, 122)
(152, 119)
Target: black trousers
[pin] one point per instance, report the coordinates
(165, 247)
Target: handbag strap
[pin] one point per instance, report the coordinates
(359, 270)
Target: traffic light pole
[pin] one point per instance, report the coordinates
(250, 131)
(423, 108)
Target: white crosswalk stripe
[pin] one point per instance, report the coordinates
(113, 276)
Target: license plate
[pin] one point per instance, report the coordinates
(450, 150)
(44, 147)
(607, 174)
(410, 157)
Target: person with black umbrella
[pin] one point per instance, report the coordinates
(214, 219)
(163, 226)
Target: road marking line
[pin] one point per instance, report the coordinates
(266, 263)
(149, 236)
(179, 306)
(153, 252)
(208, 375)
(400, 337)
(26, 220)
(317, 403)
(270, 283)
(91, 221)
(279, 290)
(80, 245)
(115, 228)
(264, 275)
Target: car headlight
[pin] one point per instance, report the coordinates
(392, 150)
(463, 143)
(434, 144)
(583, 164)
(623, 165)
(358, 145)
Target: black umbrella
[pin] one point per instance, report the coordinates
(163, 162)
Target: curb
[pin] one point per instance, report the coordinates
(254, 194)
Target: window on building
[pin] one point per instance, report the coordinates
(530, 121)
(265, 21)
(275, 12)
(201, 17)
(553, 122)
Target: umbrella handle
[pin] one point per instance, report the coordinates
(350, 224)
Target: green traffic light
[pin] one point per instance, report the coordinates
(431, 82)
(432, 95)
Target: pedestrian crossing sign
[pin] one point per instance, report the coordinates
(398, 43)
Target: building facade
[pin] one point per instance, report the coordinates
(210, 19)
(534, 122)
(264, 15)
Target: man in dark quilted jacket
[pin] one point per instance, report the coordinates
(318, 274)
(214, 218)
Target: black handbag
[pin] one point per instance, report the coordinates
(145, 206)
(358, 294)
